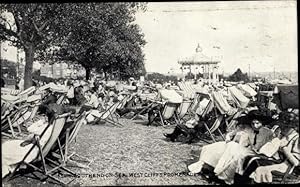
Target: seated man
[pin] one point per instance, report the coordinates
(79, 98)
(135, 105)
(92, 101)
(50, 97)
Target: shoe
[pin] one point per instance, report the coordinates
(167, 135)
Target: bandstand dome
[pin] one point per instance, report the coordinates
(198, 58)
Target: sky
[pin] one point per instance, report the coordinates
(262, 34)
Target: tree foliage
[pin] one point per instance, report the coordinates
(31, 27)
(95, 35)
(105, 39)
(238, 75)
(161, 78)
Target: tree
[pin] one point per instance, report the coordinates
(238, 75)
(102, 36)
(32, 28)
(161, 78)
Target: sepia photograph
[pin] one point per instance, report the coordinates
(149, 93)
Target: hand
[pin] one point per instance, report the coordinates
(283, 142)
(26, 142)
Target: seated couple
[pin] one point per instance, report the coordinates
(227, 158)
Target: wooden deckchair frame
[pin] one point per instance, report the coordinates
(15, 116)
(109, 118)
(7, 122)
(229, 119)
(278, 176)
(161, 114)
(150, 105)
(290, 174)
(71, 134)
(180, 113)
(216, 124)
(121, 104)
(43, 151)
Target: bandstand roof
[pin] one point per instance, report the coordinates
(198, 59)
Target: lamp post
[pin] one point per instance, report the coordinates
(0, 51)
(249, 71)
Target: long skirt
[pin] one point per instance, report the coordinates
(210, 155)
(231, 161)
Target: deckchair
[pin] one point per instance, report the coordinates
(225, 109)
(61, 99)
(167, 113)
(15, 116)
(215, 126)
(106, 115)
(23, 115)
(149, 105)
(291, 176)
(28, 91)
(188, 90)
(240, 100)
(196, 102)
(5, 91)
(58, 124)
(121, 105)
(7, 123)
(67, 137)
(183, 109)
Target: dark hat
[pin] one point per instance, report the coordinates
(260, 116)
(252, 115)
(288, 119)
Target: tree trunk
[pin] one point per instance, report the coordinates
(105, 75)
(29, 56)
(87, 73)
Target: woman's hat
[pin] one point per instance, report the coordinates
(252, 115)
(260, 116)
(288, 119)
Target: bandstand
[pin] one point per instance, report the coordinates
(198, 61)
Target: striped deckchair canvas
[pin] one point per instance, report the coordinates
(188, 90)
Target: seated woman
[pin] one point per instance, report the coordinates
(226, 156)
(278, 156)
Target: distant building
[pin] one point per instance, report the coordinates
(61, 70)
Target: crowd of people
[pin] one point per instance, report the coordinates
(266, 135)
